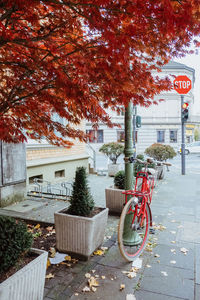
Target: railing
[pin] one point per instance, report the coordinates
(93, 156)
(45, 189)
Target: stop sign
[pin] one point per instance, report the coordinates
(182, 84)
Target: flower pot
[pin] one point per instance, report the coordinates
(80, 235)
(28, 282)
(113, 169)
(160, 172)
(114, 199)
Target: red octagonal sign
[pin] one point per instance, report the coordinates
(182, 84)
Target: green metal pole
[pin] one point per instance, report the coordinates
(128, 149)
(130, 237)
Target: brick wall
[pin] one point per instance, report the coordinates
(46, 152)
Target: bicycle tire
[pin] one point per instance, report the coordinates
(132, 252)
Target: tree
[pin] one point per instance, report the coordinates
(75, 59)
(160, 152)
(81, 202)
(112, 151)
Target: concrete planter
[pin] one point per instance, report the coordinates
(28, 282)
(114, 199)
(113, 169)
(160, 172)
(80, 235)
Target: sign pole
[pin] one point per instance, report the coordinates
(183, 140)
(182, 84)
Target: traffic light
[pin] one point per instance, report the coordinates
(138, 121)
(185, 112)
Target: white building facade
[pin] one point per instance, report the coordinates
(160, 123)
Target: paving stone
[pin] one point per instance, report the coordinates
(109, 288)
(179, 282)
(166, 256)
(113, 258)
(146, 295)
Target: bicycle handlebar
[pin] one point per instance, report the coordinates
(147, 162)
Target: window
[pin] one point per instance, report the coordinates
(121, 136)
(31, 179)
(173, 136)
(160, 136)
(96, 136)
(60, 173)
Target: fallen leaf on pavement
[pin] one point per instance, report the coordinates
(68, 258)
(130, 297)
(148, 266)
(93, 289)
(173, 251)
(49, 228)
(86, 289)
(104, 248)
(172, 262)
(122, 287)
(184, 250)
(92, 282)
(99, 252)
(156, 255)
(48, 263)
(103, 277)
(173, 242)
(37, 226)
(52, 250)
(87, 275)
(49, 276)
(131, 275)
(180, 226)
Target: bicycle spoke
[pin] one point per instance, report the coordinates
(133, 230)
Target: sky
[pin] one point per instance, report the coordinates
(193, 61)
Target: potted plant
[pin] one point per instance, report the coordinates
(112, 151)
(161, 153)
(22, 270)
(114, 197)
(80, 228)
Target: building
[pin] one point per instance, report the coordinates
(160, 123)
(54, 164)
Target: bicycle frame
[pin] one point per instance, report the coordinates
(144, 194)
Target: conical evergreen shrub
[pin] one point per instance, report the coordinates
(81, 202)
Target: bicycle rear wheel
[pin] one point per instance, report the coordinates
(133, 230)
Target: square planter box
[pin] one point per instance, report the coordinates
(28, 282)
(80, 235)
(114, 200)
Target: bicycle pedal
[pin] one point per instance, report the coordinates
(152, 231)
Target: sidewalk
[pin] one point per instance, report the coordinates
(166, 273)
(171, 266)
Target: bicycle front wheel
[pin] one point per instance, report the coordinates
(133, 230)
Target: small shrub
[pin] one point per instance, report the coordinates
(160, 152)
(112, 151)
(119, 180)
(15, 241)
(81, 202)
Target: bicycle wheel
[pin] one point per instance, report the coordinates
(133, 230)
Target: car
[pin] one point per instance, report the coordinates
(192, 148)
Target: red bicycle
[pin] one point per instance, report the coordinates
(136, 217)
